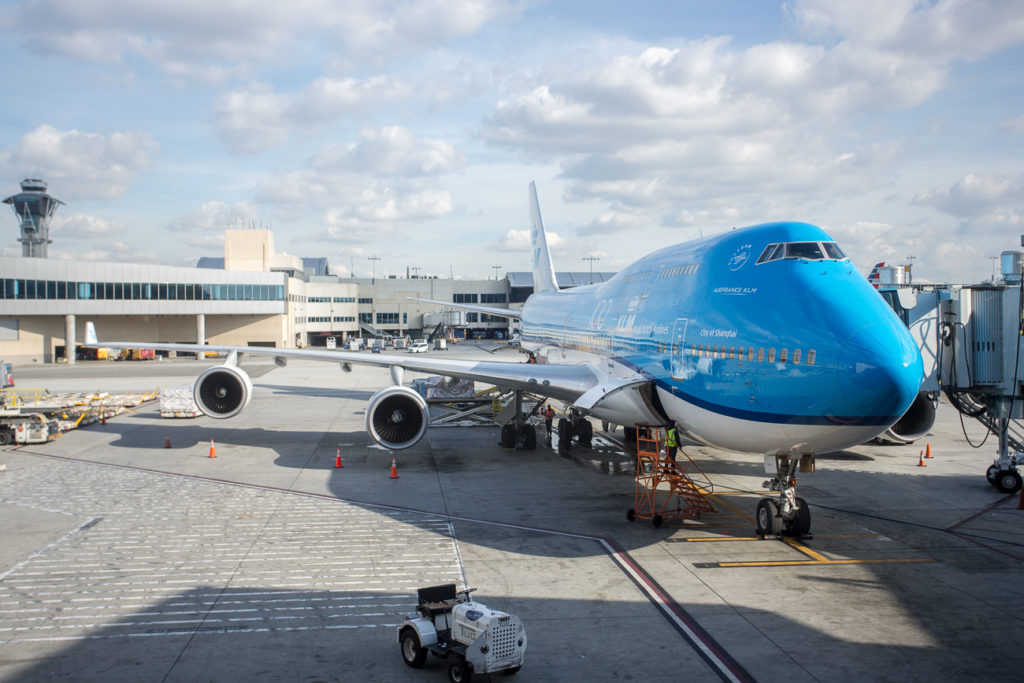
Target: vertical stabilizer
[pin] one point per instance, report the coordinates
(543, 269)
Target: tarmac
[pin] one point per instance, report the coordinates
(124, 560)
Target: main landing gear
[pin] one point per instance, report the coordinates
(786, 515)
(575, 426)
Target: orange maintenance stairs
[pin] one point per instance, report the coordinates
(666, 488)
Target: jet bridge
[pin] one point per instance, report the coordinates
(970, 338)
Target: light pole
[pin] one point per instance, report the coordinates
(496, 269)
(591, 259)
(910, 270)
(373, 276)
(416, 270)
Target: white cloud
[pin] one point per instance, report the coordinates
(369, 189)
(257, 118)
(214, 218)
(80, 165)
(82, 226)
(212, 40)
(977, 195)
(519, 241)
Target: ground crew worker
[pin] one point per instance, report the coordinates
(549, 415)
(671, 444)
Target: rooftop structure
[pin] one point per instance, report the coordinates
(34, 208)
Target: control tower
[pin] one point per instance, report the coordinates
(34, 208)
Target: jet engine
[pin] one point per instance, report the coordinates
(915, 423)
(222, 391)
(396, 417)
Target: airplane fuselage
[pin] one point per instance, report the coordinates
(743, 351)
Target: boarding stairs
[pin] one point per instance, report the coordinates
(665, 488)
(371, 330)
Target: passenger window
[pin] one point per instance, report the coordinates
(732, 352)
(714, 352)
(783, 354)
(796, 356)
(810, 356)
(750, 353)
(760, 354)
(771, 355)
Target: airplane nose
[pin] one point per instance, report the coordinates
(880, 371)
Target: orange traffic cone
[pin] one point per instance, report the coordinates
(920, 460)
(394, 468)
(213, 454)
(928, 452)
(103, 419)
(337, 459)
(167, 443)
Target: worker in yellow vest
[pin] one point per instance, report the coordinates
(671, 444)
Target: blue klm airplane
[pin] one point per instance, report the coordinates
(761, 340)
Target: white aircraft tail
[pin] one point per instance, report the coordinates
(543, 270)
(90, 334)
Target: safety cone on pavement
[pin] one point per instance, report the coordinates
(167, 442)
(920, 460)
(213, 453)
(337, 459)
(103, 418)
(394, 468)
(928, 452)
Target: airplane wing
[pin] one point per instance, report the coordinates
(561, 382)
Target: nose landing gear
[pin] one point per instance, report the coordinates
(786, 515)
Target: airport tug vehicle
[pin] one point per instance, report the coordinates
(450, 625)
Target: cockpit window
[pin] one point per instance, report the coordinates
(808, 251)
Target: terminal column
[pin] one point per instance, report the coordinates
(201, 328)
(69, 339)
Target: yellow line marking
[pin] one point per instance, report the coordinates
(736, 510)
(797, 545)
(805, 563)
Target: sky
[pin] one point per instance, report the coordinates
(408, 131)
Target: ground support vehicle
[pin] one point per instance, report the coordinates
(18, 427)
(450, 625)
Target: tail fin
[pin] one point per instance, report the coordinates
(543, 270)
(90, 335)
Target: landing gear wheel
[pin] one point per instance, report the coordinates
(801, 524)
(584, 432)
(529, 437)
(413, 654)
(508, 436)
(657, 521)
(768, 521)
(460, 672)
(631, 514)
(564, 435)
(990, 474)
(1007, 481)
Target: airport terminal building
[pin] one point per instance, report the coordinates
(252, 296)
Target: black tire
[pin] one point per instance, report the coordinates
(629, 437)
(657, 521)
(990, 474)
(564, 435)
(802, 521)
(6, 437)
(460, 671)
(529, 437)
(1007, 481)
(631, 514)
(584, 432)
(768, 521)
(412, 652)
(508, 435)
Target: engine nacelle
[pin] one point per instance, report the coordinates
(222, 391)
(397, 417)
(915, 423)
